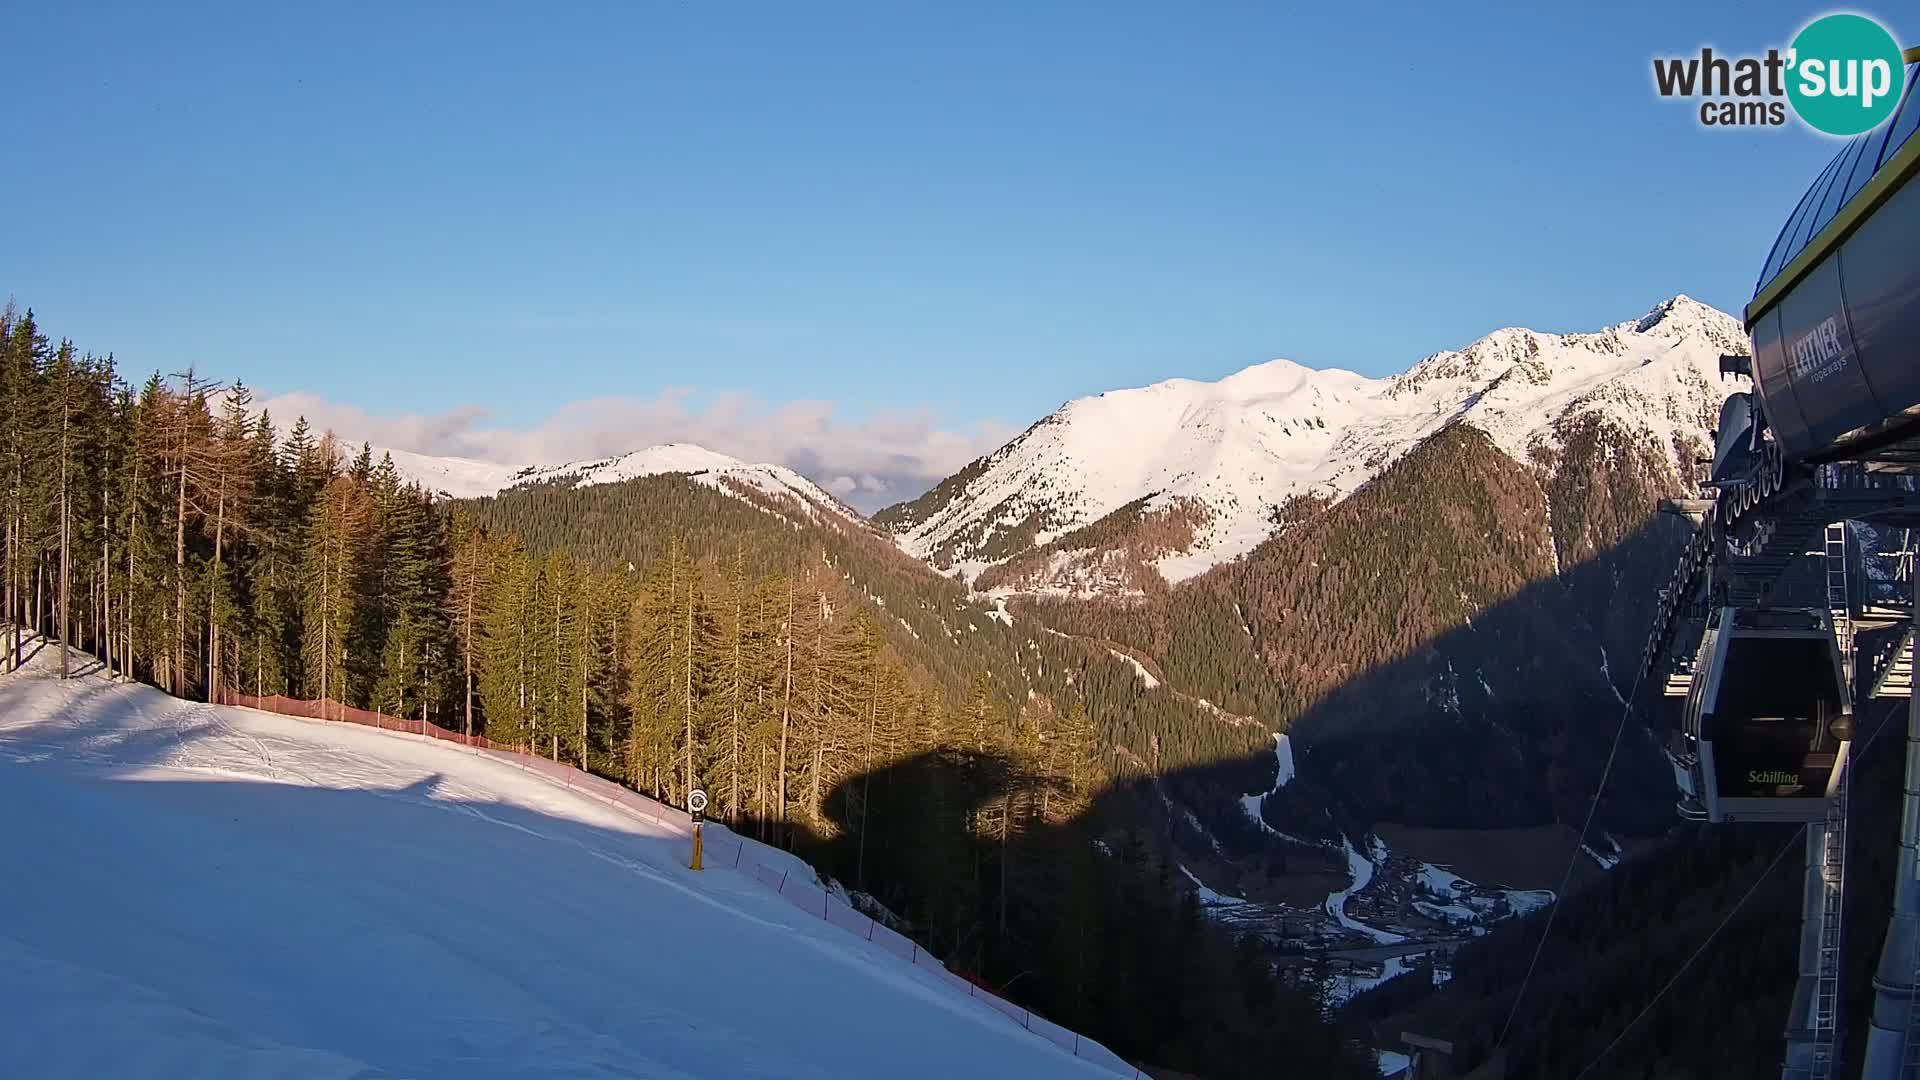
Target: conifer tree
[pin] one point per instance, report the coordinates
(271, 647)
(509, 664)
(336, 527)
(21, 354)
(61, 384)
(230, 466)
(191, 465)
(474, 561)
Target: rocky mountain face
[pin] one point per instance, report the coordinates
(1436, 584)
(1128, 492)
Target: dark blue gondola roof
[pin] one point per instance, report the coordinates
(1841, 180)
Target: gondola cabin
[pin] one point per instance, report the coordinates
(1769, 719)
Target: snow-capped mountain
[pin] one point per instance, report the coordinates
(1183, 475)
(456, 478)
(461, 478)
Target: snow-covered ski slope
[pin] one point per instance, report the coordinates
(205, 891)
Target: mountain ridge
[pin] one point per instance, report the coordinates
(464, 478)
(1212, 469)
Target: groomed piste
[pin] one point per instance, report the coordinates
(194, 890)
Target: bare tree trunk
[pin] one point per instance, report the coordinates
(689, 685)
(739, 632)
(179, 673)
(813, 779)
(126, 609)
(586, 673)
(819, 712)
(786, 724)
(213, 590)
(103, 615)
(326, 649)
(467, 648)
(8, 615)
(66, 522)
(866, 776)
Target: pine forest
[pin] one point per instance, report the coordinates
(189, 540)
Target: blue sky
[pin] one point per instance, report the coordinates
(912, 224)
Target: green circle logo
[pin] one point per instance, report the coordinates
(1845, 74)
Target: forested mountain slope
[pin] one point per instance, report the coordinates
(1441, 645)
(1439, 641)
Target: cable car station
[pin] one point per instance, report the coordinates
(1772, 631)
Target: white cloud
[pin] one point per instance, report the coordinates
(879, 459)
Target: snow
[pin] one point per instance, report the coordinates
(1283, 774)
(1345, 987)
(216, 892)
(1442, 882)
(1451, 914)
(1465, 902)
(1209, 898)
(1140, 669)
(1240, 447)
(459, 478)
(1283, 760)
(465, 479)
(1606, 672)
(1361, 872)
(1528, 901)
(1000, 613)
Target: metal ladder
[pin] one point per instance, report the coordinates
(1833, 846)
(1833, 882)
(1911, 1069)
(1839, 604)
(1904, 573)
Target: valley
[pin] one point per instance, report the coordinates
(1187, 557)
(1300, 674)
